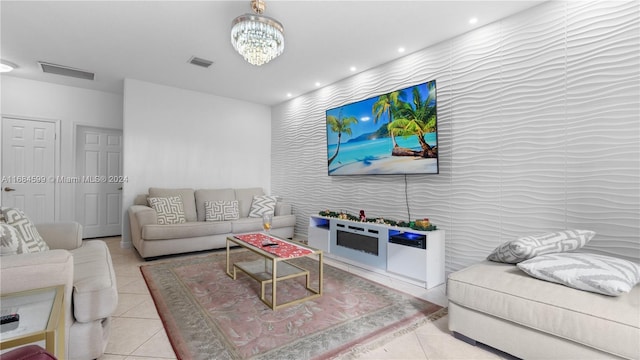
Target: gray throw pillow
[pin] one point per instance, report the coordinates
(11, 243)
(262, 205)
(222, 210)
(590, 272)
(27, 230)
(528, 247)
(169, 209)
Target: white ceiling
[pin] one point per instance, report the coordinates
(153, 40)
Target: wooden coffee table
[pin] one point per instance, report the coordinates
(274, 264)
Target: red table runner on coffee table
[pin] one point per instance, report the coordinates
(283, 249)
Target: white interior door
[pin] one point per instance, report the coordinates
(99, 189)
(28, 167)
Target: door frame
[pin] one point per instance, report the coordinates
(57, 157)
(74, 158)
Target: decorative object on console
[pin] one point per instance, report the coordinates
(258, 38)
(590, 272)
(527, 247)
(404, 142)
(415, 225)
(169, 209)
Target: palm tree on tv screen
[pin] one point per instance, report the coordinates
(416, 118)
(387, 104)
(340, 125)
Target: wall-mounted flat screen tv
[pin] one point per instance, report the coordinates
(393, 133)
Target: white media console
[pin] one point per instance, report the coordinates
(411, 255)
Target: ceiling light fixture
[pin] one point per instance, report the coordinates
(259, 39)
(401, 50)
(473, 21)
(6, 66)
(353, 68)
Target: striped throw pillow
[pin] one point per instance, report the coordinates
(221, 210)
(528, 247)
(262, 205)
(169, 210)
(590, 272)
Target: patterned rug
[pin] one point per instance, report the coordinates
(208, 315)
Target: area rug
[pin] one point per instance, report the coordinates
(208, 315)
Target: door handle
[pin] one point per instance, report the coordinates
(120, 188)
(9, 189)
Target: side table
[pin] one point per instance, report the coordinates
(41, 318)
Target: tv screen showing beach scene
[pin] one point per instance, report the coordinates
(393, 133)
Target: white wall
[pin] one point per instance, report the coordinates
(538, 130)
(181, 138)
(69, 106)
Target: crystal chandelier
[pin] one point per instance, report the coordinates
(259, 39)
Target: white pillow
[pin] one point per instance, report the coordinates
(27, 230)
(590, 272)
(515, 251)
(169, 210)
(221, 210)
(262, 205)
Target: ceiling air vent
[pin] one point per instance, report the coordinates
(66, 71)
(200, 62)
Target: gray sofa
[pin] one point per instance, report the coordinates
(501, 306)
(86, 271)
(152, 239)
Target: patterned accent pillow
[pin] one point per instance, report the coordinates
(528, 247)
(169, 209)
(221, 210)
(262, 205)
(11, 242)
(590, 272)
(26, 229)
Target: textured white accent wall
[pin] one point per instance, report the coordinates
(539, 129)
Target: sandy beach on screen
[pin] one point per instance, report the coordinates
(389, 165)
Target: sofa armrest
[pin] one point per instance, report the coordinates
(282, 208)
(36, 270)
(63, 235)
(139, 216)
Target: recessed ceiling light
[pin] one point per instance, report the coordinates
(473, 20)
(401, 49)
(353, 68)
(6, 66)
(317, 83)
(289, 94)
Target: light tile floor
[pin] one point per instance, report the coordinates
(137, 332)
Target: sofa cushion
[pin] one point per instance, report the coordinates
(11, 242)
(245, 198)
(95, 295)
(590, 272)
(204, 195)
(26, 229)
(261, 205)
(188, 199)
(527, 247)
(606, 323)
(184, 231)
(223, 210)
(169, 210)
